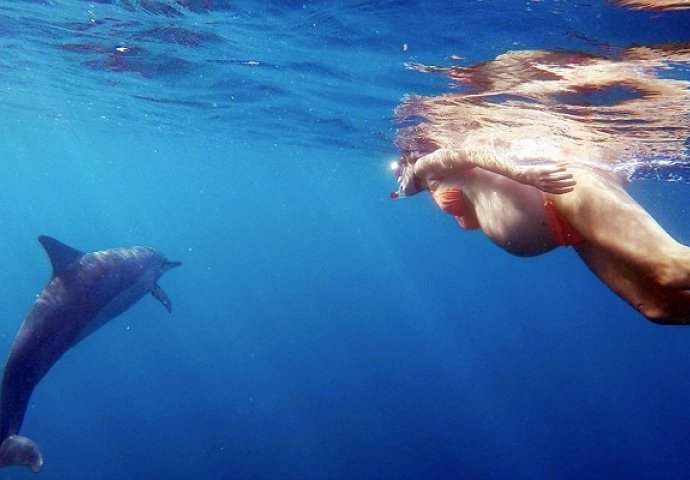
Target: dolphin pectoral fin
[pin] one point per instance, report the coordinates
(18, 450)
(162, 297)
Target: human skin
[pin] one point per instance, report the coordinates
(654, 4)
(623, 245)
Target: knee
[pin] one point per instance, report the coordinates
(671, 274)
(665, 314)
(664, 276)
(655, 315)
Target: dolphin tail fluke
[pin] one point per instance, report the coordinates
(18, 450)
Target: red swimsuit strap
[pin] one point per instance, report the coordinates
(562, 230)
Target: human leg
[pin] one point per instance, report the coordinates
(608, 217)
(656, 303)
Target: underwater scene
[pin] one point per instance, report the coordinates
(210, 270)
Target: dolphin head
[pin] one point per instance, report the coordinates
(159, 264)
(150, 259)
(150, 263)
(168, 264)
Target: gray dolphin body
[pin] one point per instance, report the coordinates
(85, 291)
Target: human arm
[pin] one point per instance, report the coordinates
(545, 175)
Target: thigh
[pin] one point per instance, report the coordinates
(607, 216)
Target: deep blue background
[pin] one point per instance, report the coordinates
(319, 330)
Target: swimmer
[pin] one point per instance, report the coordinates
(534, 175)
(532, 210)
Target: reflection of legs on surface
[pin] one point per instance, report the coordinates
(604, 214)
(658, 304)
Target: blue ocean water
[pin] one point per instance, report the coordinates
(319, 329)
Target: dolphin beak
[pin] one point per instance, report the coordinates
(168, 265)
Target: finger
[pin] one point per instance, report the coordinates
(560, 190)
(554, 178)
(557, 174)
(550, 170)
(557, 181)
(556, 169)
(560, 176)
(556, 186)
(565, 182)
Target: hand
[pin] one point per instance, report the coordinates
(548, 177)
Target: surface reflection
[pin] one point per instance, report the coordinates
(623, 111)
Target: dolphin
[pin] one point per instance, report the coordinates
(85, 291)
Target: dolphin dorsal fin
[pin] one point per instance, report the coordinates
(61, 256)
